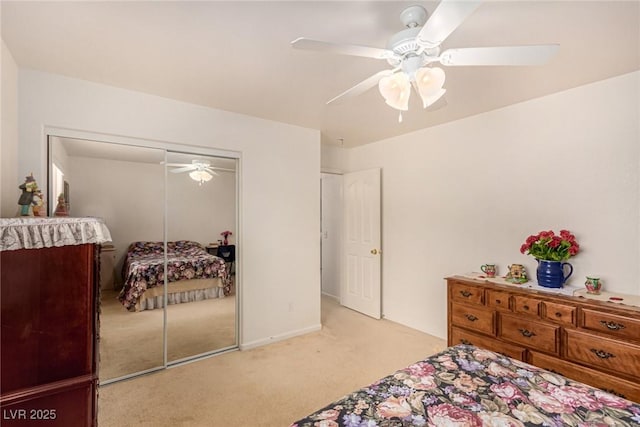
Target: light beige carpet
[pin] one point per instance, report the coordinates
(133, 342)
(272, 385)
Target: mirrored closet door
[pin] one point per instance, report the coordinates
(155, 211)
(201, 199)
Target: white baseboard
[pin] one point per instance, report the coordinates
(276, 338)
(324, 294)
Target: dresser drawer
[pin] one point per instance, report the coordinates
(460, 336)
(526, 305)
(473, 317)
(466, 293)
(611, 324)
(560, 313)
(532, 334)
(601, 352)
(606, 382)
(498, 299)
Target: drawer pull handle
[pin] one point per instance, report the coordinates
(498, 301)
(526, 333)
(558, 314)
(526, 307)
(465, 294)
(602, 354)
(465, 342)
(612, 326)
(471, 317)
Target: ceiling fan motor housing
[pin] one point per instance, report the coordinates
(414, 16)
(404, 43)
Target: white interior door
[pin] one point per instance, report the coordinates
(360, 284)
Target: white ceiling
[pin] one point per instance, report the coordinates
(236, 55)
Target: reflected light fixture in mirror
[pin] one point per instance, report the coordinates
(200, 176)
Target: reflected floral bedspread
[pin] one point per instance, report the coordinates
(144, 267)
(467, 386)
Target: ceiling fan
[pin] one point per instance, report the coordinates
(413, 52)
(199, 170)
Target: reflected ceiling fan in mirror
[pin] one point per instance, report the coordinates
(413, 52)
(199, 170)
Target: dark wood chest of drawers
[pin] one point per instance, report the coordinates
(597, 343)
(49, 356)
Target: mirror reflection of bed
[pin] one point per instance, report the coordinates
(129, 188)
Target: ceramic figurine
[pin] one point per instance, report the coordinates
(29, 188)
(61, 209)
(38, 204)
(517, 274)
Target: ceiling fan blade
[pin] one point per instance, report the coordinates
(211, 171)
(184, 169)
(363, 86)
(444, 20)
(343, 49)
(505, 55)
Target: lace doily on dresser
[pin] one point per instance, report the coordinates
(36, 233)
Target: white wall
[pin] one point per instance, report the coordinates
(9, 177)
(280, 201)
(128, 196)
(333, 158)
(469, 192)
(201, 212)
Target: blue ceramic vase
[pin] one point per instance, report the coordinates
(550, 274)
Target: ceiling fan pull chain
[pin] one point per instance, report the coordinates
(400, 117)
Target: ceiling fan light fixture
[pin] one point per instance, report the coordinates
(396, 89)
(200, 176)
(429, 81)
(429, 100)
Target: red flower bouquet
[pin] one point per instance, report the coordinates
(547, 246)
(226, 235)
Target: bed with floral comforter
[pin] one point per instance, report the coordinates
(468, 386)
(143, 268)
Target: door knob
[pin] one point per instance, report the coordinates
(374, 251)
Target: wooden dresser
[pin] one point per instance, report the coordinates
(594, 342)
(49, 314)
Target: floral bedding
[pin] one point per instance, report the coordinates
(144, 267)
(468, 386)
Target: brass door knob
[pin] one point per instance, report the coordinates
(374, 251)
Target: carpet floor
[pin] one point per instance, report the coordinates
(272, 385)
(133, 342)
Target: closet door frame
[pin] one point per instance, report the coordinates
(167, 147)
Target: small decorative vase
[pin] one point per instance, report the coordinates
(593, 285)
(550, 274)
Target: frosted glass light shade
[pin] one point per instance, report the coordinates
(431, 99)
(429, 81)
(200, 176)
(396, 89)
